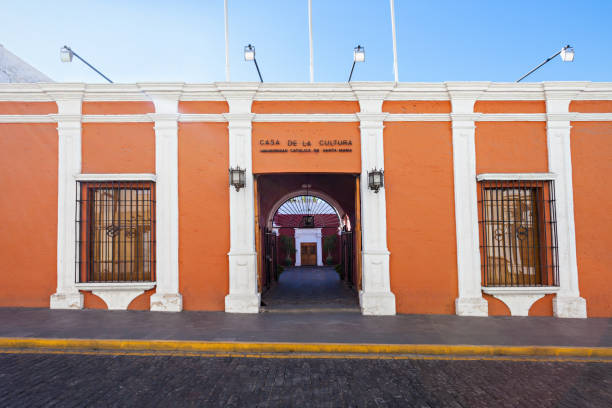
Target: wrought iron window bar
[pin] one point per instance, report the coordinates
(518, 233)
(115, 231)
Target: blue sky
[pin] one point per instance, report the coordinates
(152, 40)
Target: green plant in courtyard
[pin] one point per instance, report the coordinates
(329, 244)
(288, 244)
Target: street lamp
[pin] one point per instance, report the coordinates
(358, 56)
(66, 54)
(567, 55)
(249, 55)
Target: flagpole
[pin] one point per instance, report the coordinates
(310, 40)
(394, 41)
(227, 63)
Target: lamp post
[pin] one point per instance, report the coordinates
(249, 55)
(567, 55)
(358, 56)
(66, 54)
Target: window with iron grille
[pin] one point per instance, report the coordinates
(115, 231)
(518, 233)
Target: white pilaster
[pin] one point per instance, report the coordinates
(375, 297)
(470, 301)
(69, 100)
(244, 296)
(568, 302)
(165, 98)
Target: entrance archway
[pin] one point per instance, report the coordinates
(315, 226)
(306, 241)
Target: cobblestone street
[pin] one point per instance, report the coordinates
(33, 380)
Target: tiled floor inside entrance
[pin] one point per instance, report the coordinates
(310, 289)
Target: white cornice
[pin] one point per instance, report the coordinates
(489, 91)
(116, 118)
(509, 117)
(315, 117)
(590, 117)
(202, 117)
(322, 117)
(27, 119)
(418, 117)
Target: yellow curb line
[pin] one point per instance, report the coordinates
(304, 348)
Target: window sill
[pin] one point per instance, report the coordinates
(520, 290)
(519, 299)
(118, 286)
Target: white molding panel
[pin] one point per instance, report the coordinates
(67, 296)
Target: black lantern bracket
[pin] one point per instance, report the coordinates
(376, 179)
(237, 177)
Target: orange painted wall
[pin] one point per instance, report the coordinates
(322, 162)
(416, 106)
(203, 107)
(28, 204)
(305, 107)
(203, 215)
(591, 144)
(118, 148)
(591, 106)
(117, 108)
(510, 107)
(511, 147)
(27, 108)
(420, 216)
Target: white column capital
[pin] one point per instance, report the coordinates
(239, 120)
(370, 100)
(371, 119)
(239, 97)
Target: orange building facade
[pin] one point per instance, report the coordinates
(494, 201)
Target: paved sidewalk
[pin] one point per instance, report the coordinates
(310, 288)
(348, 328)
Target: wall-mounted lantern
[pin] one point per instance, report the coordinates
(376, 179)
(237, 177)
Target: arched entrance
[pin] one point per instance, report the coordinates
(306, 241)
